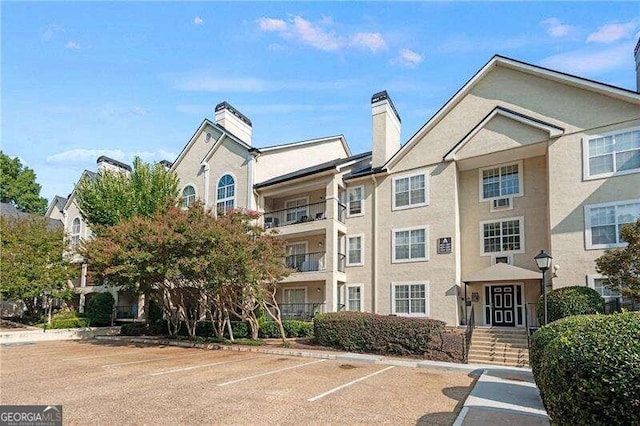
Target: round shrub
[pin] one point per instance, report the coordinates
(366, 332)
(588, 368)
(69, 323)
(567, 301)
(100, 309)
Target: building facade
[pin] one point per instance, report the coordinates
(521, 159)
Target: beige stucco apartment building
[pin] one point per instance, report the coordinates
(521, 159)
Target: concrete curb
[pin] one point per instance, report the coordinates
(41, 335)
(339, 356)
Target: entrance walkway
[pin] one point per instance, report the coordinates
(503, 397)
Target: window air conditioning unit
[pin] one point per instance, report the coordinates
(501, 203)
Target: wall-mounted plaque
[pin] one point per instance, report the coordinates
(444, 245)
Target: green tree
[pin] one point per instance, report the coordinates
(18, 186)
(621, 266)
(112, 197)
(32, 259)
(183, 257)
(100, 309)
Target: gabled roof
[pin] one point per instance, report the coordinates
(120, 164)
(307, 142)
(552, 129)
(58, 202)
(497, 60)
(192, 140)
(502, 272)
(11, 211)
(308, 171)
(87, 173)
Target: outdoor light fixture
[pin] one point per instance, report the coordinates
(543, 260)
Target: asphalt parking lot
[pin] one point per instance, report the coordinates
(99, 382)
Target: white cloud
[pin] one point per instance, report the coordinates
(592, 61)
(371, 41)
(320, 35)
(613, 32)
(272, 24)
(48, 32)
(72, 45)
(81, 156)
(555, 28)
(408, 58)
(198, 20)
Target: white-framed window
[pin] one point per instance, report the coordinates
(297, 210)
(75, 232)
(226, 199)
(603, 222)
(355, 201)
(410, 244)
(354, 297)
(410, 191)
(297, 254)
(294, 301)
(354, 250)
(502, 258)
(612, 153)
(410, 298)
(188, 196)
(502, 236)
(596, 282)
(501, 181)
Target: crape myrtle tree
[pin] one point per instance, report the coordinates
(192, 260)
(32, 260)
(113, 197)
(621, 266)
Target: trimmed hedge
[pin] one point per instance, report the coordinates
(388, 335)
(133, 329)
(100, 309)
(69, 323)
(588, 368)
(292, 328)
(567, 301)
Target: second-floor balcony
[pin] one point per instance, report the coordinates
(302, 213)
(312, 262)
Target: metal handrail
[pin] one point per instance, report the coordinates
(303, 311)
(306, 262)
(468, 333)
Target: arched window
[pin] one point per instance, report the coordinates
(188, 196)
(226, 194)
(75, 232)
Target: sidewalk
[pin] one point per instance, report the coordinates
(503, 397)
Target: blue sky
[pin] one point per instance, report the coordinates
(81, 80)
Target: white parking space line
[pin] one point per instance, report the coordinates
(329, 392)
(270, 372)
(193, 367)
(100, 356)
(150, 360)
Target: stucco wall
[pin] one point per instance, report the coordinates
(229, 158)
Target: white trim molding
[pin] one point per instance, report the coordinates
(520, 192)
(501, 220)
(362, 201)
(348, 260)
(409, 175)
(586, 167)
(427, 298)
(346, 297)
(425, 258)
(588, 240)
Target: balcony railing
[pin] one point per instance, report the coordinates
(306, 262)
(301, 214)
(298, 214)
(300, 311)
(342, 261)
(616, 305)
(127, 312)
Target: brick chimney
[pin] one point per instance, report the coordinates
(234, 121)
(386, 129)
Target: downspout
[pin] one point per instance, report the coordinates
(250, 178)
(374, 244)
(205, 166)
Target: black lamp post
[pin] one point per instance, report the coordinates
(543, 260)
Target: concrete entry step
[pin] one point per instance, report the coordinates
(503, 346)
